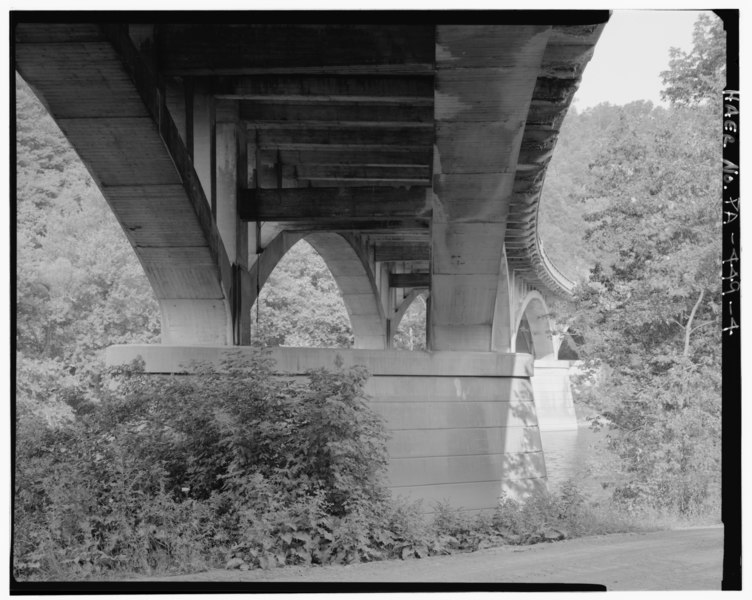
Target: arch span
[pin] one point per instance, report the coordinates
(416, 340)
(534, 310)
(134, 153)
(405, 305)
(356, 284)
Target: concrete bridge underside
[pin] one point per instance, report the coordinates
(411, 158)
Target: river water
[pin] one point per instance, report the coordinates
(576, 455)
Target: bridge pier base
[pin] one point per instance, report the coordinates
(553, 396)
(463, 425)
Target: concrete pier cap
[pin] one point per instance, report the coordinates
(463, 425)
(181, 359)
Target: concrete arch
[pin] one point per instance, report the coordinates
(401, 311)
(533, 308)
(405, 304)
(265, 263)
(133, 151)
(357, 285)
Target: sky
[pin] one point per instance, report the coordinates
(626, 67)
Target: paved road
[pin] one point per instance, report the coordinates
(688, 559)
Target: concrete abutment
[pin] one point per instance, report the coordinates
(463, 425)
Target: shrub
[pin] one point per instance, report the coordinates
(176, 470)
(238, 468)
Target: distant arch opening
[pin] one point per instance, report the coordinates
(533, 332)
(524, 341)
(301, 305)
(411, 323)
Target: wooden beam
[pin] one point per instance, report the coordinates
(401, 225)
(401, 252)
(296, 176)
(292, 136)
(362, 171)
(401, 157)
(306, 204)
(330, 182)
(284, 111)
(409, 280)
(236, 49)
(321, 88)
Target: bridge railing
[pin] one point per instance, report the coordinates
(559, 278)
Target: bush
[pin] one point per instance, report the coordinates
(237, 468)
(168, 471)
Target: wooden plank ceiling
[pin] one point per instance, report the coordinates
(341, 120)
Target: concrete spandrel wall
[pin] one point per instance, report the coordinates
(463, 425)
(553, 396)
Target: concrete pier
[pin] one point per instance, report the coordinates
(463, 425)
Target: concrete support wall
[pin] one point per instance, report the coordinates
(463, 424)
(553, 396)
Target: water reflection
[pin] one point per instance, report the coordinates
(575, 454)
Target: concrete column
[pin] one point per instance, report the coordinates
(231, 171)
(227, 149)
(485, 76)
(553, 396)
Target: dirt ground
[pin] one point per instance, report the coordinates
(685, 559)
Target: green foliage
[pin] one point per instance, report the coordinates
(584, 135)
(235, 468)
(80, 287)
(411, 333)
(650, 312)
(170, 468)
(301, 305)
(698, 76)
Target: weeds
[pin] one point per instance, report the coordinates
(239, 469)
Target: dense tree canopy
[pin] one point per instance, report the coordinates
(80, 287)
(300, 304)
(650, 311)
(697, 76)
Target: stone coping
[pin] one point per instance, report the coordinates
(160, 358)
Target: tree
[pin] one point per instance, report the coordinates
(584, 136)
(301, 305)
(80, 287)
(698, 76)
(651, 308)
(411, 333)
